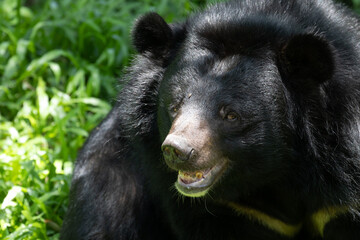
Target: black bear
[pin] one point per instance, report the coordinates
(242, 122)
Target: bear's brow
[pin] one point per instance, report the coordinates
(242, 36)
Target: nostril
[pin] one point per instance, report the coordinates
(174, 154)
(178, 153)
(176, 149)
(172, 151)
(167, 150)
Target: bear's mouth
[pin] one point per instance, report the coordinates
(198, 183)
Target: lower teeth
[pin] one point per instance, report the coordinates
(188, 177)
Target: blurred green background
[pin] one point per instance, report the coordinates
(59, 65)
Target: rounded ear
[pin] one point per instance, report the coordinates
(152, 34)
(306, 61)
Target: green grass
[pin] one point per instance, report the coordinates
(59, 64)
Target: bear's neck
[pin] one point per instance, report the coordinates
(285, 214)
(278, 203)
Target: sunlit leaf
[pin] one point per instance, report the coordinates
(42, 99)
(11, 67)
(45, 59)
(56, 69)
(76, 82)
(93, 88)
(21, 48)
(11, 195)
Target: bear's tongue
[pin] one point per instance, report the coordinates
(191, 177)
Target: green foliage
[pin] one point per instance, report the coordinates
(356, 5)
(59, 61)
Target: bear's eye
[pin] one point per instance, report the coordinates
(174, 111)
(175, 108)
(228, 114)
(231, 116)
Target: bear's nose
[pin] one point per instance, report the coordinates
(176, 150)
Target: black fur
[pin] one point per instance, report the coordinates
(291, 71)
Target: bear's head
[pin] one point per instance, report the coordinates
(225, 98)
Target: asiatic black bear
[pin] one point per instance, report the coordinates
(242, 122)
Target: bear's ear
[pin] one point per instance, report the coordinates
(152, 34)
(306, 61)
